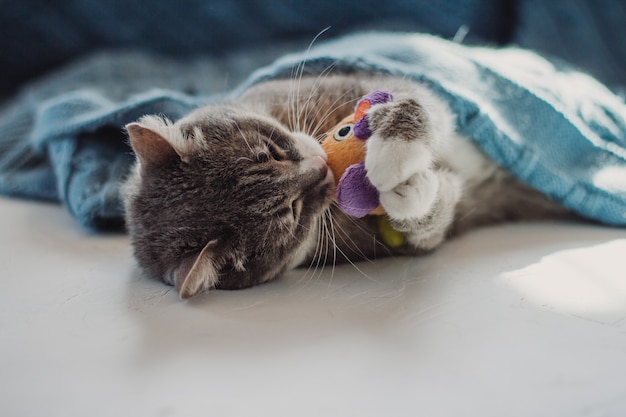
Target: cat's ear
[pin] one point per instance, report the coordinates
(196, 275)
(150, 145)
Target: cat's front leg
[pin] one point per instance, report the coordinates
(419, 196)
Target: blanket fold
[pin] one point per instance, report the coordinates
(555, 128)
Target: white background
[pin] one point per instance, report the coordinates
(516, 320)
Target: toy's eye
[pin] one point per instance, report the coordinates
(343, 132)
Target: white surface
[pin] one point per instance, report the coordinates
(518, 320)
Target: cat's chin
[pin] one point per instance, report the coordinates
(307, 248)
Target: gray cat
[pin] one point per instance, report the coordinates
(235, 194)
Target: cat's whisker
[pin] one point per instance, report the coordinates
(243, 136)
(271, 134)
(267, 232)
(360, 227)
(291, 98)
(354, 265)
(319, 253)
(317, 249)
(294, 94)
(289, 230)
(350, 243)
(330, 245)
(291, 103)
(313, 93)
(296, 76)
(313, 110)
(321, 261)
(336, 104)
(329, 216)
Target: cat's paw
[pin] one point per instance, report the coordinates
(414, 198)
(390, 163)
(399, 158)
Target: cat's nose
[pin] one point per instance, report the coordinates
(318, 167)
(321, 162)
(325, 168)
(323, 158)
(314, 162)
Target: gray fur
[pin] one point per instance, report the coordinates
(234, 201)
(408, 121)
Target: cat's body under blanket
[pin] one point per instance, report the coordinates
(233, 195)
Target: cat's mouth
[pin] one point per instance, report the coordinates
(319, 181)
(330, 184)
(327, 181)
(329, 177)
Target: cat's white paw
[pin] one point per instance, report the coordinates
(399, 159)
(392, 161)
(413, 198)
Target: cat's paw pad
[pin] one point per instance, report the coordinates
(412, 199)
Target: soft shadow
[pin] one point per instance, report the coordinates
(374, 301)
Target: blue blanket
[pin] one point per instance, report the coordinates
(555, 128)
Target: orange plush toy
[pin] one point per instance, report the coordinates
(345, 148)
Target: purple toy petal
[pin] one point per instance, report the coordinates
(378, 97)
(361, 127)
(356, 195)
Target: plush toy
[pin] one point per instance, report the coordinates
(345, 148)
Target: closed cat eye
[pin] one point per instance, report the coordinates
(277, 153)
(271, 152)
(343, 132)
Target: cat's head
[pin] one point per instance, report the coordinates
(223, 198)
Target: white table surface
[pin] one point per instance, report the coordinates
(516, 320)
